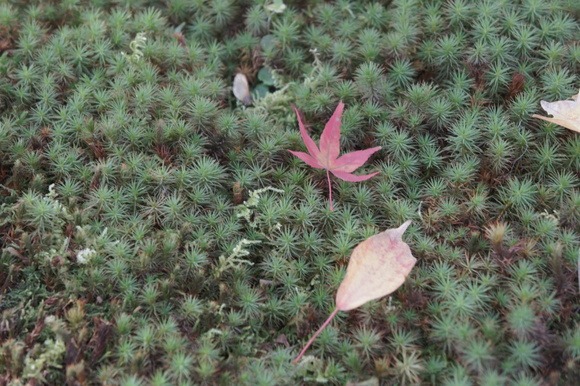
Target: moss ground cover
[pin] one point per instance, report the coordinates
(156, 231)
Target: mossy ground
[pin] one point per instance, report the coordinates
(138, 155)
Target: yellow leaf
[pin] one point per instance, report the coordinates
(565, 113)
(378, 266)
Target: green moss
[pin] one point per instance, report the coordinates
(128, 170)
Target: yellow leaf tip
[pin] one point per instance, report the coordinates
(398, 233)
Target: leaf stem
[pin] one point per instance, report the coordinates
(295, 361)
(329, 190)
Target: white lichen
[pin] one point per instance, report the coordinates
(136, 47)
(85, 255)
(40, 359)
(246, 210)
(233, 260)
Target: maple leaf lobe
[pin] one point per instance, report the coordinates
(330, 138)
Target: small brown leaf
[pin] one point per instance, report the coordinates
(102, 333)
(30, 339)
(281, 339)
(238, 193)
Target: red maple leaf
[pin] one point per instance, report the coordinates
(327, 157)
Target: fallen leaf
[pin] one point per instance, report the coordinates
(101, 335)
(241, 89)
(238, 193)
(565, 113)
(281, 339)
(30, 339)
(327, 157)
(377, 267)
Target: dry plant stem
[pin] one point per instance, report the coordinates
(329, 190)
(295, 361)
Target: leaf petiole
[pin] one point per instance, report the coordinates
(295, 361)
(329, 190)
